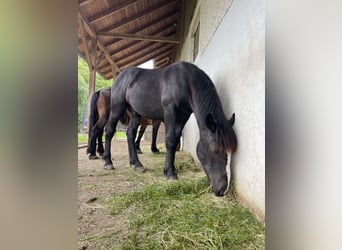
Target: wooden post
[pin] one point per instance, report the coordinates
(113, 72)
(92, 75)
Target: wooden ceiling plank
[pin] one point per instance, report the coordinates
(142, 60)
(140, 37)
(157, 32)
(111, 11)
(170, 14)
(135, 51)
(137, 16)
(127, 46)
(83, 2)
(149, 55)
(162, 65)
(142, 51)
(159, 57)
(161, 50)
(179, 30)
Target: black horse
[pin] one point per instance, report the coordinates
(171, 94)
(99, 112)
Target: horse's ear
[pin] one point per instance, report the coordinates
(210, 122)
(231, 120)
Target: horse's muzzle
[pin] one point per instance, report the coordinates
(220, 192)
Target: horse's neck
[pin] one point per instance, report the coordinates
(200, 118)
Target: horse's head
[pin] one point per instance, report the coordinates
(212, 151)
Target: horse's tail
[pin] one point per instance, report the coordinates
(124, 118)
(94, 114)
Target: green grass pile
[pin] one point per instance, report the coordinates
(185, 214)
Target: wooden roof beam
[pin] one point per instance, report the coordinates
(140, 37)
(139, 15)
(111, 11)
(167, 53)
(163, 55)
(162, 65)
(157, 32)
(84, 41)
(100, 45)
(83, 2)
(139, 49)
(147, 58)
(141, 53)
(171, 14)
(149, 55)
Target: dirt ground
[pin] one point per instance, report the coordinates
(97, 228)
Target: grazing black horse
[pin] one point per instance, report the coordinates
(99, 112)
(171, 94)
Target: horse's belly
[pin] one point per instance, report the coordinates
(147, 109)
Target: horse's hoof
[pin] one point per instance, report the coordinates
(100, 154)
(139, 169)
(93, 157)
(172, 178)
(155, 151)
(139, 151)
(108, 167)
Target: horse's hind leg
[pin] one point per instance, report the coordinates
(131, 133)
(96, 133)
(92, 142)
(155, 125)
(100, 148)
(140, 135)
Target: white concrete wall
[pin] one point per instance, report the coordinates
(235, 60)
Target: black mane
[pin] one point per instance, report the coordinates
(208, 101)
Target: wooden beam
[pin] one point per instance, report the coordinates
(163, 64)
(93, 52)
(122, 49)
(141, 53)
(83, 2)
(85, 43)
(93, 34)
(137, 16)
(111, 11)
(170, 15)
(140, 37)
(100, 58)
(165, 59)
(149, 57)
(128, 45)
(160, 56)
(179, 30)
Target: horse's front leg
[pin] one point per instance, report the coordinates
(131, 133)
(171, 143)
(140, 135)
(155, 125)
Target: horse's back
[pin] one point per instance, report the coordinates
(148, 92)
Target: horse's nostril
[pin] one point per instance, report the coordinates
(220, 192)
